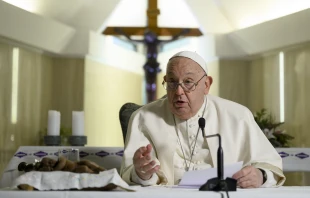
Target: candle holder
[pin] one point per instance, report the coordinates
(52, 140)
(78, 140)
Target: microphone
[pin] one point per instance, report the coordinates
(202, 124)
(218, 183)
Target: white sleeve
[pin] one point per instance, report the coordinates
(271, 180)
(136, 179)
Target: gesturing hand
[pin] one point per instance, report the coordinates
(249, 177)
(143, 164)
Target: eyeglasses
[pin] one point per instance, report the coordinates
(187, 85)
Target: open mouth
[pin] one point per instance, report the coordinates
(180, 103)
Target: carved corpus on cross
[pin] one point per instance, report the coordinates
(151, 41)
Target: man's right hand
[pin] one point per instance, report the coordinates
(143, 164)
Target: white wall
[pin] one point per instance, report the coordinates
(33, 30)
(56, 37)
(281, 32)
(103, 49)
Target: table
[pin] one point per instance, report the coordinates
(294, 159)
(163, 192)
(107, 157)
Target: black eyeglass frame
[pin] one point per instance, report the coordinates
(176, 85)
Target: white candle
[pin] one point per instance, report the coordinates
(53, 123)
(77, 123)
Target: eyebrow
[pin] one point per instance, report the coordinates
(188, 73)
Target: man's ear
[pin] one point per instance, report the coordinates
(208, 84)
(165, 78)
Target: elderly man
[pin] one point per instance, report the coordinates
(163, 139)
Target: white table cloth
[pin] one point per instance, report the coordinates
(295, 159)
(107, 157)
(163, 192)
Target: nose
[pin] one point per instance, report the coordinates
(179, 90)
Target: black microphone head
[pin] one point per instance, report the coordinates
(202, 123)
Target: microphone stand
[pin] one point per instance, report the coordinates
(218, 183)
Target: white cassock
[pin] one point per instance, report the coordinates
(173, 141)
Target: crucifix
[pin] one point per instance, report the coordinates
(151, 33)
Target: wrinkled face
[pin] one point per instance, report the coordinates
(183, 104)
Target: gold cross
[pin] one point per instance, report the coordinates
(152, 14)
(151, 33)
